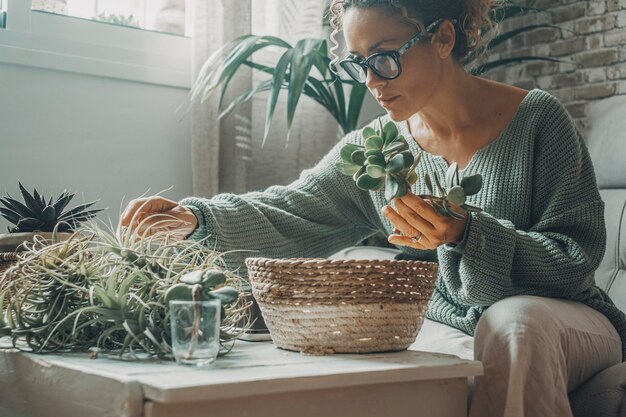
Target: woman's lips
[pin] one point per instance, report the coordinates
(387, 101)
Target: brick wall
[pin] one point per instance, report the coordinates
(591, 44)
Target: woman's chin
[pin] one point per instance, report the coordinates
(398, 115)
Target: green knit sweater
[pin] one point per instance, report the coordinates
(541, 231)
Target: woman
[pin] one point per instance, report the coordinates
(515, 285)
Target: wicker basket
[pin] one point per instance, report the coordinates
(322, 306)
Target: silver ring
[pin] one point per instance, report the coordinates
(417, 237)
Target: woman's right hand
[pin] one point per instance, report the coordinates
(150, 215)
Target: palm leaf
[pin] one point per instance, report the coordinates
(277, 81)
(264, 86)
(301, 63)
(357, 95)
(241, 56)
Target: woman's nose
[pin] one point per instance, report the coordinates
(372, 80)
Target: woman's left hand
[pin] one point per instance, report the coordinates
(419, 226)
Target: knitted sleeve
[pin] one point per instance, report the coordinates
(558, 254)
(315, 216)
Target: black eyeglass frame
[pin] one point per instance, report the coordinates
(395, 55)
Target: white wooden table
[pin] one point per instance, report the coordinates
(256, 379)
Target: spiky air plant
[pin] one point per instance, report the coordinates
(37, 214)
(384, 160)
(110, 290)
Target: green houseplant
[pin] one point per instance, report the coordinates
(110, 291)
(385, 161)
(305, 68)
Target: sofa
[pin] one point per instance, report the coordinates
(603, 395)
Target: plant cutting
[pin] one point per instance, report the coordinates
(384, 160)
(110, 291)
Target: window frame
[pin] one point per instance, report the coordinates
(65, 43)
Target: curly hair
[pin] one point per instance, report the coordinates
(474, 27)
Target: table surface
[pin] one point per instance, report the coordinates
(251, 368)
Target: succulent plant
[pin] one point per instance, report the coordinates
(455, 192)
(35, 214)
(384, 160)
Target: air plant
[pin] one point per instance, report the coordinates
(110, 290)
(384, 160)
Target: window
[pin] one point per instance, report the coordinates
(166, 16)
(65, 35)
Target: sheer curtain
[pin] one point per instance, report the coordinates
(227, 155)
(220, 149)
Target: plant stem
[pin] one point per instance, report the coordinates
(195, 329)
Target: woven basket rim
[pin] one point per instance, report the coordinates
(334, 262)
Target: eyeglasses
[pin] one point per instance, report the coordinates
(386, 64)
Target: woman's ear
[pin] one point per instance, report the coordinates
(444, 39)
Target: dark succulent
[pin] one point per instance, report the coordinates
(35, 214)
(384, 160)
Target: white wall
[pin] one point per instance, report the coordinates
(104, 138)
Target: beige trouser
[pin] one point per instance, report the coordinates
(534, 351)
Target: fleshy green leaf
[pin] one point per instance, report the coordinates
(357, 174)
(346, 151)
(178, 292)
(374, 142)
(366, 182)
(227, 295)
(358, 157)
(391, 187)
(367, 132)
(213, 278)
(376, 160)
(456, 195)
(347, 168)
(192, 278)
(375, 171)
(472, 184)
(408, 159)
(395, 164)
(374, 152)
(390, 131)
